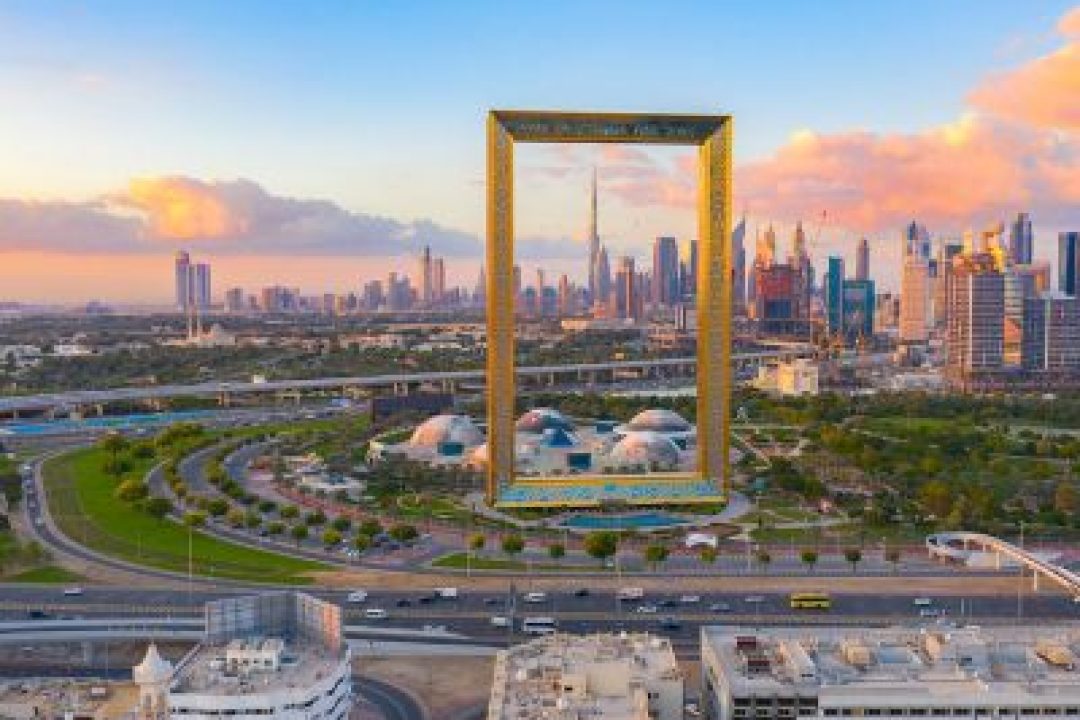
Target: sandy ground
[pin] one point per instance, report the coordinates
(447, 693)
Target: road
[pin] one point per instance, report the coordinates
(471, 614)
(392, 703)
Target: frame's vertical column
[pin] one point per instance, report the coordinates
(714, 305)
(500, 307)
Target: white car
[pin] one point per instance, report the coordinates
(754, 599)
(357, 596)
(73, 591)
(376, 614)
(929, 612)
(690, 599)
(535, 597)
(500, 621)
(647, 609)
(922, 602)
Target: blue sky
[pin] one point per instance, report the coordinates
(379, 106)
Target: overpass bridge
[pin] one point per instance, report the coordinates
(398, 383)
(966, 548)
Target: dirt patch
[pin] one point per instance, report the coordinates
(446, 693)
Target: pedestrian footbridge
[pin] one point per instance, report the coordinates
(981, 550)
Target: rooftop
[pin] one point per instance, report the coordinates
(569, 676)
(302, 664)
(968, 666)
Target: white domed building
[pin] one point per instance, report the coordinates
(661, 421)
(446, 429)
(645, 450)
(539, 420)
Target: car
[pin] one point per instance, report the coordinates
(434, 628)
(581, 592)
(922, 602)
(403, 602)
(720, 607)
(670, 623)
(647, 609)
(690, 599)
(535, 597)
(426, 599)
(754, 599)
(500, 621)
(493, 601)
(376, 614)
(72, 591)
(667, 603)
(929, 612)
(356, 596)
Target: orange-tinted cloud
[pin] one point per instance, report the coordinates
(180, 208)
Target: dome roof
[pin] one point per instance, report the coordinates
(659, 420)
(479, 455)
(153, 669)
(538, 420)
(645, 448)
(446, 429)
(559, 438)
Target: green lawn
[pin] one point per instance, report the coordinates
(46, 574)
(82, 501)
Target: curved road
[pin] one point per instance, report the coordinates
(394, 704)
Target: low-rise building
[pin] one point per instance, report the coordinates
(798, 377)
(567, 677)
(808, 672)
(278, 654)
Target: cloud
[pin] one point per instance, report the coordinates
(1069, 25)
(1044, 93)
(223, 217)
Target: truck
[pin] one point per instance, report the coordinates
(446, 593)
(631, 593)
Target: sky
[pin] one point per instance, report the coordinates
(321, 144)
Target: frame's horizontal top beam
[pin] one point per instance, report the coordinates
(542, 126)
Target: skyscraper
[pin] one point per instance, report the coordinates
(602, 278)
(438, 280)
(834, 295)
(914, 286)
(593, 240)
(862, 260)
(665, 277)
(183, 281)
(425, 276)
(1052, 333)
(538, 290)
(976, 315)
(200, 285)
(1021, 240)
(738, 267)
(626, 298)
(1069, 263)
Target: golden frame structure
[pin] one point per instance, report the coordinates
(712, 135)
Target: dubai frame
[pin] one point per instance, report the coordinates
(712, 135)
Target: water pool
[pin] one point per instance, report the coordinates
(634, 521)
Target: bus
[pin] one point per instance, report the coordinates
(539, 626)
(810, 601)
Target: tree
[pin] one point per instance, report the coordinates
(708, 554)
(763, 559)
(275, 528)
(289, 512)
(892, 556)
(331, 537)
(132, 489)
(809, 558)
(217, 506)
(194, 518)
(235, 517)
(315, 517)
(556, 551)
(299, 533)
(114, 443)
(656, 554)
(601, 544)
(854, 556)
(1065, 497)
(477, 542)
(936, 498)
(252, 519)
(361, 543)
(341, 523)
(404, 533)
(370, 527)
(513, 545)
(158, 507)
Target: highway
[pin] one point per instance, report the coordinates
(75, 398)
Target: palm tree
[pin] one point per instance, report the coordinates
(763, 559)
(892, 556)
(809, 558)
(656, 554)
(854, 556)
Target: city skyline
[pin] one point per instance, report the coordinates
(993, 135)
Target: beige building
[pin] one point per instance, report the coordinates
(808, 672)
(798, 377)
(569, 677)
(914, 300)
